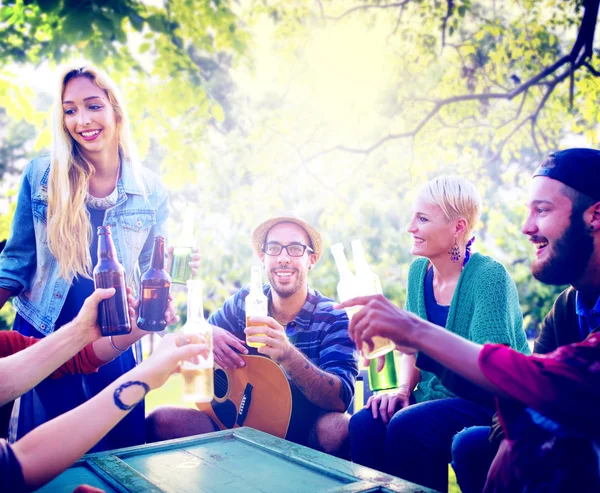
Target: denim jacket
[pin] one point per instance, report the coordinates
(30, 270)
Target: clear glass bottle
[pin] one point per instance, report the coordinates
(257, 304)
(198, 377)
(181, 271)
(369, 284)
(347, 286)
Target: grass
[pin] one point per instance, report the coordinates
(170, 393)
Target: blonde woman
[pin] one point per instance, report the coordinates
(91, 178)
(409, 433)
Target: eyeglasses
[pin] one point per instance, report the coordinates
(293, 249)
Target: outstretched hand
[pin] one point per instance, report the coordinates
(170, 353)
(380, 317)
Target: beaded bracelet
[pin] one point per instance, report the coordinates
(112, 343)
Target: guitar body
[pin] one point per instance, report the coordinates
(258, 395)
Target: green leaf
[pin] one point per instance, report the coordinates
(5, 13)
(217, 112)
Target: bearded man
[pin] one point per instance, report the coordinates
(563, 213)
(303, 334)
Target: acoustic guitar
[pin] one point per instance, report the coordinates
(260, 395)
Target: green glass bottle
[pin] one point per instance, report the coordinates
(387, 378)
(181, 271)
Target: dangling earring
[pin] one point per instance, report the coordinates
(454, 252)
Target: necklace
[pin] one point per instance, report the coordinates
(274, 317)
(283, 324)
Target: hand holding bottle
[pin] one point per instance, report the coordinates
(197, 373)
(270, 338)
(191, 258)
(87, 318)
(381, 318)
(169, 354)
(183, 259)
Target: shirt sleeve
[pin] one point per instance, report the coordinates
(11, 474)
(232, 315)
(18, 260)
(563, 385)
(12, 342)
(338, 356)
(85, 361)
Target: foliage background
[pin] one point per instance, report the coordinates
(333, 110)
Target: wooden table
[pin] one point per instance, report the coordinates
(242, 460)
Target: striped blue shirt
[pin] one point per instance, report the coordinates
(318, 331)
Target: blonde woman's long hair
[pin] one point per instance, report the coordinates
(69, 229)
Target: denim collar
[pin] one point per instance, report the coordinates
(125, 185)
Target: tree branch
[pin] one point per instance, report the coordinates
(584, 41)
(592, 70)
(450, 4)
(532, 117)
(366, 7)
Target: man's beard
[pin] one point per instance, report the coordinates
(289, 289)
(570, 255)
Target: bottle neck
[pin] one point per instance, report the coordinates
(360, 260)
(186, 238)
(255, 280)
(106, 248)
(342, 264)
(195, 307)
(158, 253)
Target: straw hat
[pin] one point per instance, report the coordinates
(260, 234)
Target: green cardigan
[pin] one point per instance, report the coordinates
(484, 308)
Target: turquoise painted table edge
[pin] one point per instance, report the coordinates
(110, 467)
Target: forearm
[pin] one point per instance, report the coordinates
(105, 351)
(52, 447)
(409, 373)
(22, 371)
(455, 353)
(320, 387)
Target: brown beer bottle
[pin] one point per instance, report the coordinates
(156, 284)
(113, 313)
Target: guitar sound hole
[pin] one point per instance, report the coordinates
(221, 383)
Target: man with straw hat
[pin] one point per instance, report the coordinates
(303, 334)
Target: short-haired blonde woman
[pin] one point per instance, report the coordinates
(91, 178)
(409, 433)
